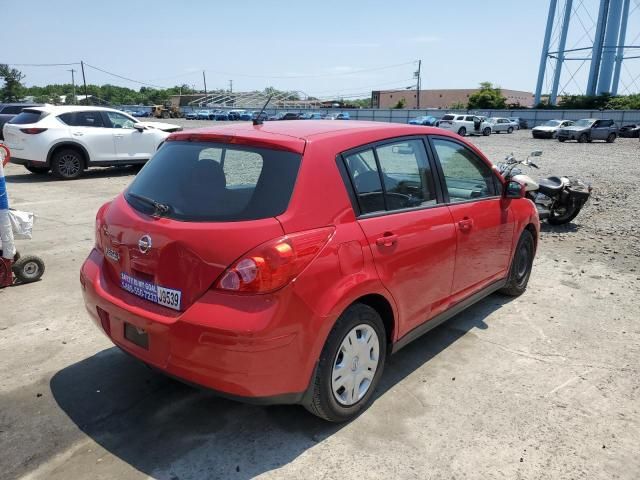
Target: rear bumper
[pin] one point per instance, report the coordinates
(242, 348)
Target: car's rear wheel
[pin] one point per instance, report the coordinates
(350, 365)
(37, 170)
(510, 130)
(486, 132)
(611, 138)
(462, 131)
(562, 139)
(521, 264)
(67, 164)
(583, 138)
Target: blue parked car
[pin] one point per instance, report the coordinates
(246, 115)
(311, 116)
(191, 115)
(203, 115)
(220, 115)
(426, 120)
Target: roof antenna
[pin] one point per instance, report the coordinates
(258, 120)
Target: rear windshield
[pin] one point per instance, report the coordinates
(213, 182)
(26, 117)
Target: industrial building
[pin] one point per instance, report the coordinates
(444, 98)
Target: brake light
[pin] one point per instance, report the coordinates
(275, 263)
(33, 130)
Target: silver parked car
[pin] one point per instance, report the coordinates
(499, 125)
(550, 128)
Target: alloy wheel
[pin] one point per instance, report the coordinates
(69, 165)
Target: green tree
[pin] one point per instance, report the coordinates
(13, 89)
(487, 96)
(401, 103)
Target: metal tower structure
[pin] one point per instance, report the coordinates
(575, 37)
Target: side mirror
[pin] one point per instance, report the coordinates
(514, 189)
(536, 153)
(139, 127)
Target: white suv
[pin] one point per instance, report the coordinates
(67, 140)
(465, 124)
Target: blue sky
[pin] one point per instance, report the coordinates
(322, 48)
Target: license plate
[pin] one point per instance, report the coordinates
(136, 335)
(166, 297)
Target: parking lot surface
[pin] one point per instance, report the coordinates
(540, 386)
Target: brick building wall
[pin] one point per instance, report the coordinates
(442, 99)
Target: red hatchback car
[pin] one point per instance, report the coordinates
(282, 263)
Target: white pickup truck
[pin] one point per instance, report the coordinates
(465, 124)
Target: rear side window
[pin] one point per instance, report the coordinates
(208, 182)
(82, 119)
(391, 177)
(27, 117)
(448, 117)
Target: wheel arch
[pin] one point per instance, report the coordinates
(384, 308)
(534, 232)
(67, 144)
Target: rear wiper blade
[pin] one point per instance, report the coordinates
(159, 209)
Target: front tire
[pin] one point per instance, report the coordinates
(67, 164)
(28, 269)
(37, 170)
(611, 138)
(350, 365)
(510, 130)
(462, 131)
(583, 138)
(521, 264)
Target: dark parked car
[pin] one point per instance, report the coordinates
(246, 115)
(589, 129)
(630, 131)
(220, 115)
(10, 110)
(141, 113)
(522, 123)
(285, 116)
(311, 116)
(260, 116)
(425, 120)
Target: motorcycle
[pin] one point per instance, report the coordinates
(557, 199)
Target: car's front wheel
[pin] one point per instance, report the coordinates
(521, 264)
(350, 365)
(611, 138)
(583, 138)
(67, 164)
(510, 130)
(37, 170)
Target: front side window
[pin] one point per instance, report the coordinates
(119, 120)
(467, 177)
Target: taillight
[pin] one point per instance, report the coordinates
(33, 131)
(275, 263)
(100, 225)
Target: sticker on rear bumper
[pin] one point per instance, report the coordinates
(166, 297)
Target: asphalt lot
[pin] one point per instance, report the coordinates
(542, 386)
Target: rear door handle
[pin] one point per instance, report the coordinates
(387, 240)
(465, 224)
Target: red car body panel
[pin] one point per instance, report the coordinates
(267, 345)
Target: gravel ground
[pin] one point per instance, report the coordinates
(542, 386)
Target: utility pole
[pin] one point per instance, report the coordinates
(417, 75)
(230, 86)
(204, 78)
(73, 82)
(84, 81)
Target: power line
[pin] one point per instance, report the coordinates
(123, 78)
(42, 64)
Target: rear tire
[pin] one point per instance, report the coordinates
(67, 164)
(566, 217)
(561, 139)
(340, 395)
(462, 131)
(611, 138)
(37, 170)
(521, 264)
(486, 132)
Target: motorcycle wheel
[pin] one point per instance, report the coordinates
(569, 214)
